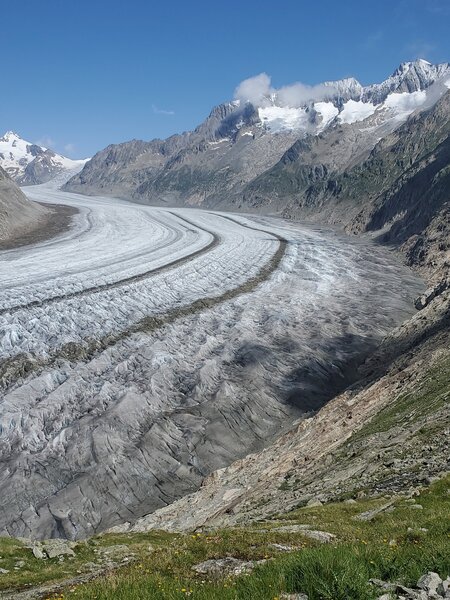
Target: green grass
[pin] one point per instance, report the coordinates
(427, 397)
(381, 548)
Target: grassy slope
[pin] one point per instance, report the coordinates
(382, 548)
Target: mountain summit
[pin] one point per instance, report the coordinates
(30, 164)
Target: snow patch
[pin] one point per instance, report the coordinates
(354, 111)
(327, 111)
(279, 118)
(404, 104)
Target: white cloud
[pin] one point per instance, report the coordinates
(255, 89)
(161, 111)
(69, 148)
(297, 94)
(258, 91)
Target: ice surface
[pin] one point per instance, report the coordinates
(327, 111)
(404, 104)
(90, 443)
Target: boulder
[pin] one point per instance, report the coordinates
(429, 582)
(314, 502)
(371, 514)
(52, 549)
(443, 589)
(38, 551)
(223, 567)
(383, 585)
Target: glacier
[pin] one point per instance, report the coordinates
(107, 435)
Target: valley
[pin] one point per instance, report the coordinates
(209, 338)
(145, 348)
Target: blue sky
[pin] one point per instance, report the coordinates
(79, 75)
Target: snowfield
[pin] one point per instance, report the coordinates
(256, 322)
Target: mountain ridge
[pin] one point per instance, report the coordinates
(18, 215)
(240, 140)
(32, 164)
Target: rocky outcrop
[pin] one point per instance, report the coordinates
(430, 586)
(225, 567)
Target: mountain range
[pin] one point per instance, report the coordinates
(219, 163)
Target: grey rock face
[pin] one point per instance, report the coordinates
(41, 169)
(430, 294)
(17, 214)
(429, 582)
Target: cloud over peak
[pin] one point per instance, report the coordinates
(259, 91)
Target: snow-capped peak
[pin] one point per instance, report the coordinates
(420, 64)
(9, 136)
(347, 88)
(30, 163)
(413, 85)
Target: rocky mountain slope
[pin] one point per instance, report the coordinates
(401, 191)
(243, 139)
(31, 164)
(18, 215)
